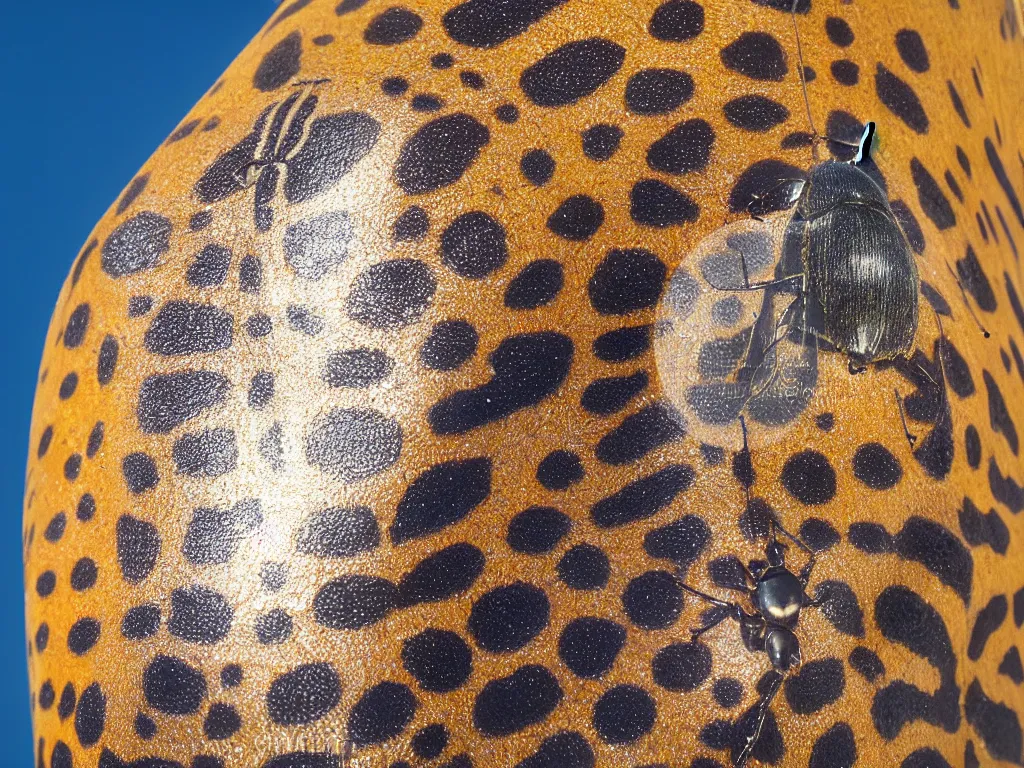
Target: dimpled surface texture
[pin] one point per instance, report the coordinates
(350, 446)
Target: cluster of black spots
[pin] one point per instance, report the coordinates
(510, 704)
(900, 99)
(537, 167)
(588, 646)
(571, 72)
(624, 714)
(845, 72)
(609, 395)
(757, 55)
(685, 148)
(303, 695)
(584, 567)
(642, 498)
(997, 724)
(600, 142)
(136, 244)
(653, 203)
(528, 368)
(676, 21)
(658, 91)
(439, 153)
(755, 113)
(577, 218)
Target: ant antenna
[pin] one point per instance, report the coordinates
(911, 438)
(745, 453)
(803, 81)
(967, 303)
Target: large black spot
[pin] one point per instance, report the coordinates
(988, 528)
(584, 567)
(83, 636)
(210, 267)
(686, 147)
(997, 724)
(140, 622)
(838, 603)
(836, 748)
(138, 546)
(313, 246)
(527, 369)
(199, 615)
(473, 245)
(817, 684)
(756, 55)
(900, 98)
(439, 660)
(507, 618)
(755, 113)
(215, 534)
(876, 467)
(658, 91)
(757, 189)
(357, 368)
(441, 575)
(339, 532)
(140, 473)
(280, 64)
(809, 478)
(304, 694)
(136, 244)
(999, 414)
(510, 704)
(537, 167)
(487, 23)
(381, 713)
(393, 26)
(588, 646)
(654, 203)
(77, 325)
(604, 397)
(676, 21)
(577, 218)
(912, 51)
(682, 666)
(439, 153)
(933, 202)
(354, 601)
(653, 600)
(989, 619)
(639, 434)
(624, 714)
(940, 551)
(391, 294)
(185, 328)
(450, 344)
(567, 749)
(622, 344)
(570, 72)
(353, 444)
(334, 145)
(642, 498)
(626, 280)
(173, 687)
(818, 534)
(169, 399)
(210, 453)
(536, 285)
(601, 141)
(91, 715)
(537, 530)
(441, 496)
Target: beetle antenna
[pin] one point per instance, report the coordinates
(967, 303)
(803, 81)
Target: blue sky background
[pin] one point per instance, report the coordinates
(90, 91)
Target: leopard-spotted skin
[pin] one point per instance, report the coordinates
(350, 443)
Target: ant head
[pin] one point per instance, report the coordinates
(783, 648)
(757, 568)
(776, 554)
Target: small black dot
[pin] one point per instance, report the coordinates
(259, 325)
(825, 421)
(537, 167)
(426, 102)
(83, 575)
(231, 676)
(394, 86)
(46, 583)
(73, 466)
(47, 695)
(145, 728)
(472, 80)
(68, 386)
(972, 446)
(86, 508)
(442, 61)
(200, 220)
(55, 528)
(507, 113)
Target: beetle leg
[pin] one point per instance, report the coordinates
(760, 714)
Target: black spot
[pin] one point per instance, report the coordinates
(353, 444)
(588, 646)
(933, 202)
(430, 742)
(975, 281)
(132, 192)
(601, 141)
(1004, 180)
(73, 466)
(996, 723)
(836, 748)
(442, 496)
(280, 64)
(42, 637)
(654, 203)
(639, 434)
(980, 529)
(95, 441)
(900, 99)
(567, 749)
(210, 267)
(537, 530)
(210, 453)
(83, 635)
(559, 470)
(817, 684)
(604, 397)
(658, 91)
(623, 714)
(354, 601)
(68, 385)
(845, 72)
(839, 605)
(972, 446)
(537, 167)
(446, 573)
(626, 280)
(339, 532)
(753, 190)
(315, 245)
(577, 218)
(653, 600)
(474, 246)
(622, 344)
(488, 23)
(86, 509)
(439, 660)
(838, 31)
(571, 72)
(876, 467)
(167, 400)
(584, 567)
(938, 550)
(273, 627)
(676, 21)
(870, 537)
(68, 699)
(393, 26)
(818, 534)
(261, 389)
(1011, 666)
(77, 325)
(867, 663)
(46, 583)
(83, 574)
(756, 55)
(61, 756)
(510, 704)
(55, 528)
(391, 294)
(450, 344)
(357, 368)
(138, 546)
(642, 498)
(199, 615)
(1005, 490)
(185, 328)
(413, 224)
(507, 618)
(231, 676)
(222, 722)
(755, 113)
(91, 716)
(528, 368)
(44, 442)
(682, 666)
(46, 696)
(214, 535)
(136, 244)
(426, 102)
(439, 153)
(173, 687)
(926, 757)
(304, 694)
(998, 413)
(989, 619)
(507, 113)
(808, 477)
(140, 622)
(685, 148)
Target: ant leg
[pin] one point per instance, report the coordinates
(761, 713)
(757, 197)
(911, 438)
(789, 279)
(967, 303)
(805, 572)
(707, 598)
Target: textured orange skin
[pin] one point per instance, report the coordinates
(862, 405)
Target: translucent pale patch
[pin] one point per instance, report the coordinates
(723, 350)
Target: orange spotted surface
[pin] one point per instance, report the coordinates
(357, 441)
